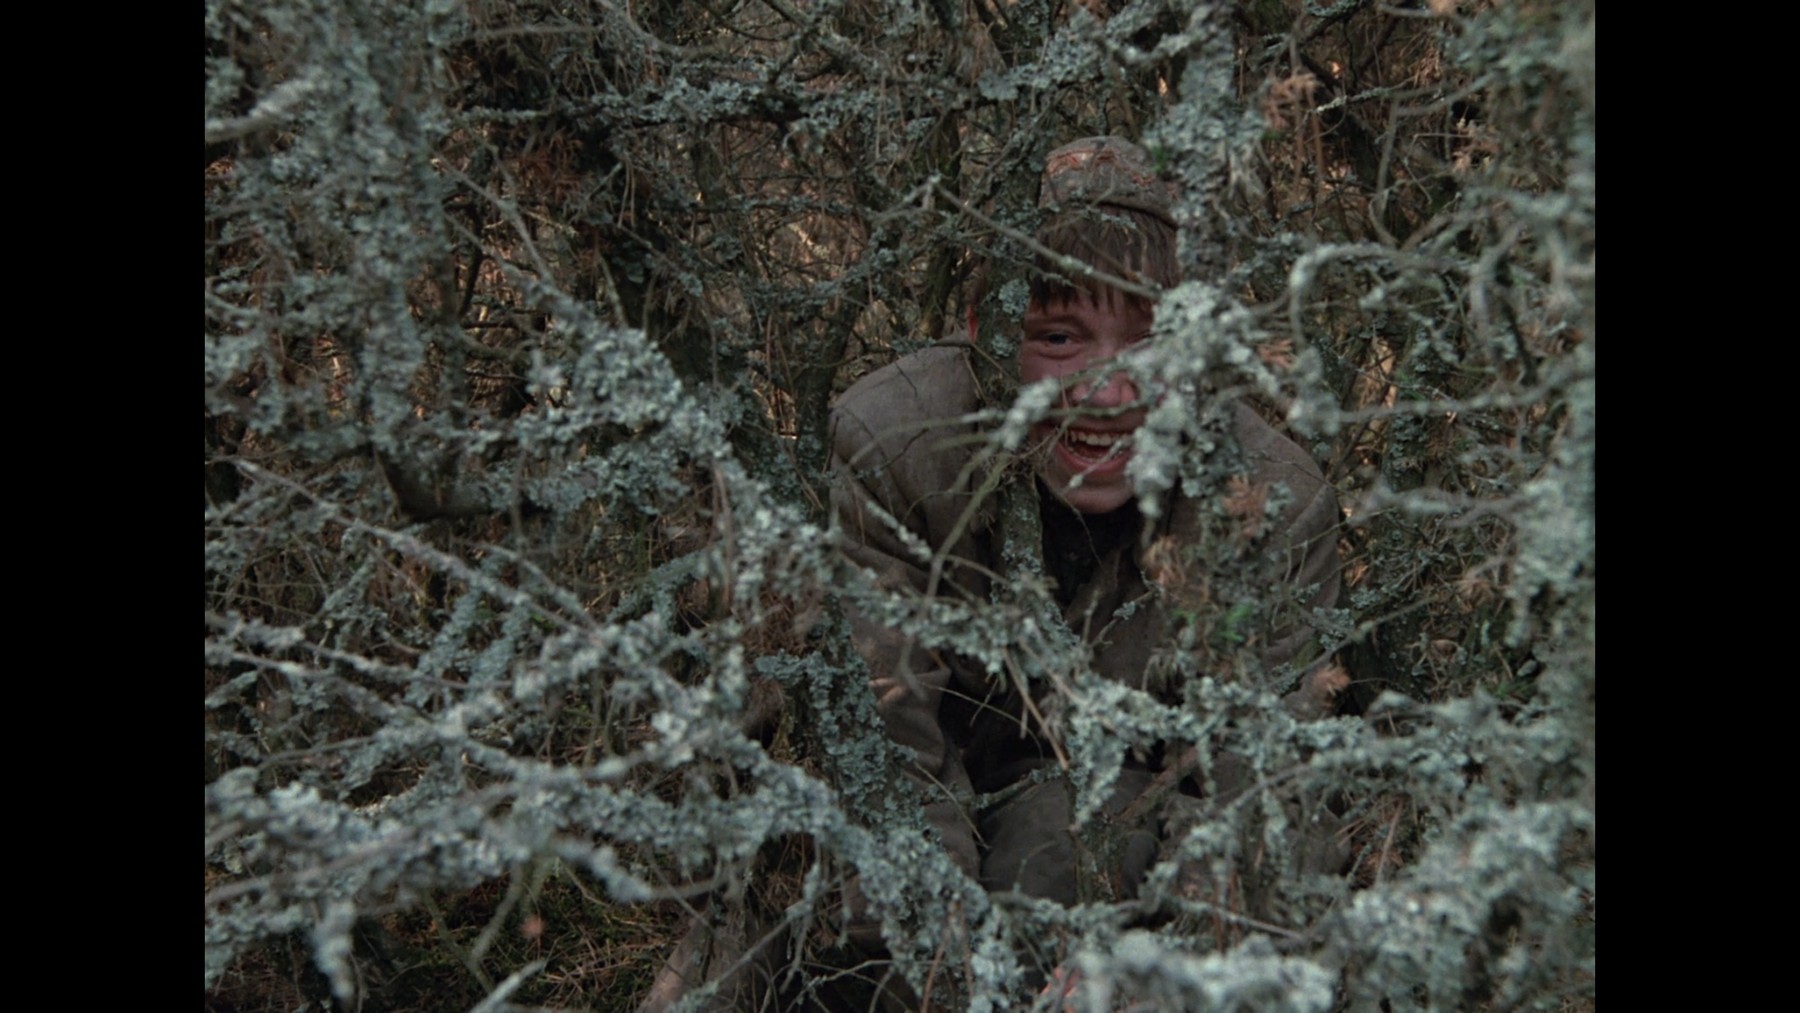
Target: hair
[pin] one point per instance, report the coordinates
(1126, 243)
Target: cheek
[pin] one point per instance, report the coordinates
(1033, 368)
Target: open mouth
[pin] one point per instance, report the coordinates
(1088, 449)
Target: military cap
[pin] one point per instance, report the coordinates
(1105, 171)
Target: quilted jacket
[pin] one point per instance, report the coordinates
(902, 448)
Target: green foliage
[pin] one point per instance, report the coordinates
(524, 622)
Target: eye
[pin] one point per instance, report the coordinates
(1052, 343)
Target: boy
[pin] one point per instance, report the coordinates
(898, 461)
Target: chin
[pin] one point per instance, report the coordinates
(1103, 488)
(1090, 498)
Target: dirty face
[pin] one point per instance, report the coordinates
(1089, 441)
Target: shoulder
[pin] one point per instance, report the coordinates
(1310, 510)
(1273, 457)
(903, 439)
(891, 413)
(930, 381)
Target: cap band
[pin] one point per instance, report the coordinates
(1105, 170)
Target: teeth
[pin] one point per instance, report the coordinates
(1092, 439)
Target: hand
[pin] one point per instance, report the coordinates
(1063, 982)
(1317, 696)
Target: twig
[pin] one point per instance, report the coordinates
(1070, 264)
(443, 932)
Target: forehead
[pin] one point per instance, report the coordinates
(1088, 309)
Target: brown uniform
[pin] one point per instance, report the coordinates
(895, 455)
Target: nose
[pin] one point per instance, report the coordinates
(1109, 390)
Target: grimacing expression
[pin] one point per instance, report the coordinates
(1089, 441)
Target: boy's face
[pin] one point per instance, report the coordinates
(1090, 441)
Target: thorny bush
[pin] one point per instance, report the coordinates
(523, 627)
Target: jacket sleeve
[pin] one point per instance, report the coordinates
(1312, 575)
(1307, 550)
(888, 498)
(1297, 548)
